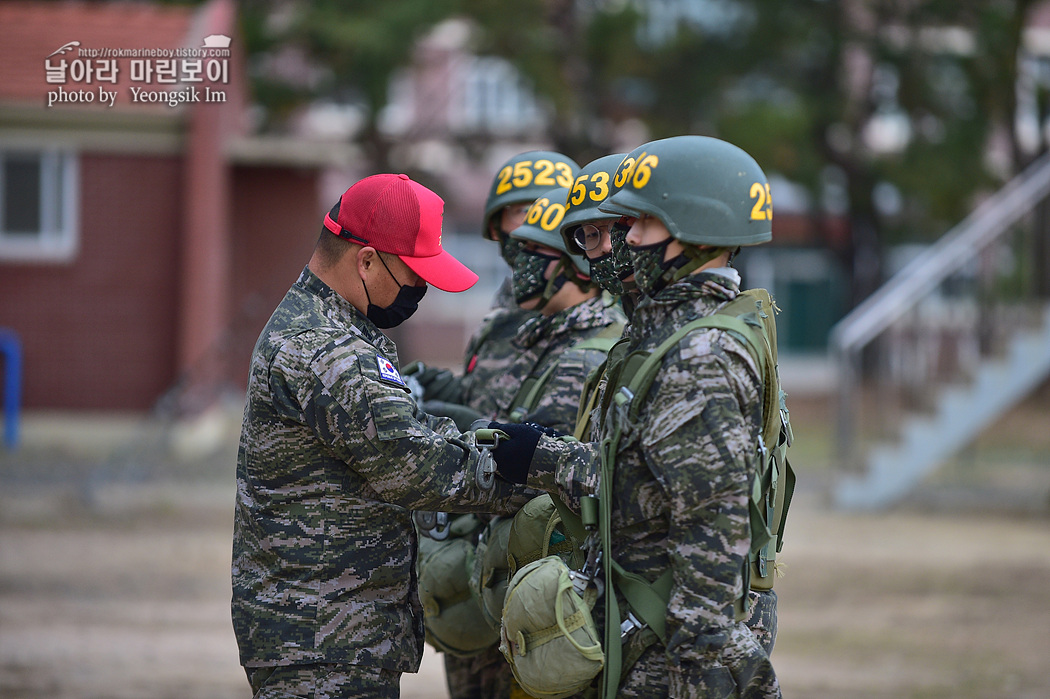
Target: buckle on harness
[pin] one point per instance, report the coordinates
(433, 525)
(486, 440)
(589, 575)
(623, 397)
(630, 625)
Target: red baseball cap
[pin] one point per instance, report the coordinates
(394, 214)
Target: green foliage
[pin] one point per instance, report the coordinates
(797, 84)
(358, 44)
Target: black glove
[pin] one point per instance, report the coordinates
(460, 414)
(438, 384)
(513, 456)
(549, 431)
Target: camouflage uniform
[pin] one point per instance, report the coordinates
(546, 341)
(680, 494)
(539, 343)
(331, 461)
(490, 351)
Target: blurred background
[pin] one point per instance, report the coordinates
(154, 211)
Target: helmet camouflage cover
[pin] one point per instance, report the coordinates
(704, 190)
(526, 176)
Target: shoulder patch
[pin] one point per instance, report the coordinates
(388, 372)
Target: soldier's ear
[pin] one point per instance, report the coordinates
(365, 260)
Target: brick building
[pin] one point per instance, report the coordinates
(144, 236)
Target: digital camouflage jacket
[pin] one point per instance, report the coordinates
(549, 344)
(490, 351)
(680, 492)
(332, 460)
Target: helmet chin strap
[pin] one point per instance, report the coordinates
(696, 257)
(554, 284)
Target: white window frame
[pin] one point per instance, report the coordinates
(58, 239)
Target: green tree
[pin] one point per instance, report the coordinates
(353, 48)
(801, 85)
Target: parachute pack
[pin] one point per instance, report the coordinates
(451, 611)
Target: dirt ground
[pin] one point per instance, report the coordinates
(117, 587)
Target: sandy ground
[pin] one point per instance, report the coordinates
(120, 590)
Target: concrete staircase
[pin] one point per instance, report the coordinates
(961, 413)
(876, 477)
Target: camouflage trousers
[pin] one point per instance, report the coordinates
(648, 678)
(324, 682)
(763, 619)
(483, 676)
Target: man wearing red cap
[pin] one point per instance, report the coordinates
(334, 456)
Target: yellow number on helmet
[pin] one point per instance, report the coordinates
(624, 173)
(601, 189)
(522, 173)
(543, 177)
(536, 210)
(644, 170)
(564, 178)
(552, 217)
(504, 185)
(579, 191)
(763, 208)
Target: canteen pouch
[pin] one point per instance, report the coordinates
(548, 634)
(452, 617)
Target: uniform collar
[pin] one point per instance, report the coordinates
(582, 316)
(697, 294)
(340, 310)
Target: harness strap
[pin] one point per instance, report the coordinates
(591, 394)
(647, 600)
(532, 388)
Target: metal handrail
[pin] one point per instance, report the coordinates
(955, 248)
(923, 274)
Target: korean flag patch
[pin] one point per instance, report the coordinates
(388, 372)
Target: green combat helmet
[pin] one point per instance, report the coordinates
(542, 225)
(704, 190)
(522, 179)
(592, 186)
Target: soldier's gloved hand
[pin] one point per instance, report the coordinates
(438, 384)
(460, 414)
(549, 431)
(513, 456)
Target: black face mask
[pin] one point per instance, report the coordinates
(405, 303)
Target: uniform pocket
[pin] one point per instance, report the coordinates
(394, 417)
